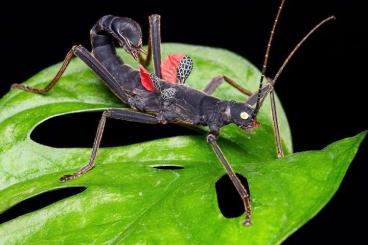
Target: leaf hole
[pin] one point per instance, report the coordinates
(38, 202)
(228, 199)
(79, 129)
(168, 167)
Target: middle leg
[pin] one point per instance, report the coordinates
(125, 115)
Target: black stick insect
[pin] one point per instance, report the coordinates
(161, 97)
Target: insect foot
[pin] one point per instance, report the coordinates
(242, 191)
(247, 221)
(68, 177)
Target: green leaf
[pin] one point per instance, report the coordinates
(127, 200)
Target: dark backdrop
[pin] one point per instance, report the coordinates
(321, 90)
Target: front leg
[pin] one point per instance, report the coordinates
(125, 115)
(211, 139)
(252, 101)
(217, 81)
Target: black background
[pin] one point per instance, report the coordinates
(321, 90)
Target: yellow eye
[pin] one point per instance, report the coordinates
(244, 115)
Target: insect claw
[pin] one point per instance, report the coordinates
(67, 177)
(247, 221)
(248, 215)
(64, 178)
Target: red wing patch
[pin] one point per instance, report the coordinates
(169, 67)
(146, 79)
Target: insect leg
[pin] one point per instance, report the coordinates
(268, 88)
(89, 60)
(217, 81)
(46, 89)
(275, 121)
(252, 100)
(211, 139)
(82, 53)
(125, 115)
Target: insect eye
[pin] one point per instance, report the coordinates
(244, 115)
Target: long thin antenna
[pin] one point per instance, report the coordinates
(265, 61)
(265, 90)
(300, 44)
(280, 152)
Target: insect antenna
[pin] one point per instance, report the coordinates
(291, 54)
(288, 58)
(263, 92)
(265, 60)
